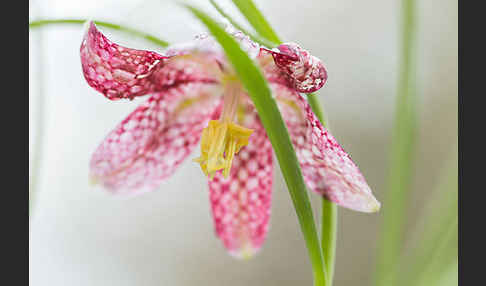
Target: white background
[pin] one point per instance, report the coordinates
(81, 235)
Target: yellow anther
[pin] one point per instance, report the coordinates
(219, 142)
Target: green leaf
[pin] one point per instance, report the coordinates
(450, 276)
(255, 38)
(329, 217)
(252, 79)
(424, 259)
(133, 32)
(443, 255)
(402, 152)
(256, 19)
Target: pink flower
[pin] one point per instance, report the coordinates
(195, 95)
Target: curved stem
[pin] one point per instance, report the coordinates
(134, 32)
(329, 218)
(329, 233)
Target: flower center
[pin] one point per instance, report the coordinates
(223, 138)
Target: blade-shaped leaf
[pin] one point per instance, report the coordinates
(433, 227)
(401, 155)
(255, 38)
(256, 19)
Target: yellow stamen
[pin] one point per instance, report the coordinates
(219, 142)
(222, 139)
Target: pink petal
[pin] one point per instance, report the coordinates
(327, 168)
(304, 72)
(116, 71)
(120, 72)
(241, 204)
(152, 141)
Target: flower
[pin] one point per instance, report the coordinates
(196, 96)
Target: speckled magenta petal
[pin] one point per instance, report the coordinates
(116, 71)
(241, 204)
(152, 141)
(305, 72)
(327, 168)
(119, 72)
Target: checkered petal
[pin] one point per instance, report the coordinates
(241, 204)
(153, 140)
(303, 72)
(119, 72)
(327, 168)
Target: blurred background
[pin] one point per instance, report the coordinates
(80, 235)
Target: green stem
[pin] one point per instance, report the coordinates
(401, 155)
(316, 108)
(329, 234)
(329, 218)
(134, 32)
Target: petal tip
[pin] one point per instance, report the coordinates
(373, 205)
(376, 208)
(307, 72)
(87, 25)
(246, 252)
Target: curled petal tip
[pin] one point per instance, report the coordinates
(87, 25)
(307, 72)
(373, 205)
(116, 71)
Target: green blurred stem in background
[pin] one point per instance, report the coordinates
(133, 32)
(424, 259)
(403, 139)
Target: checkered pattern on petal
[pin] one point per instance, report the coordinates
(152, 141)
(304, 72)
(241, 204)
(327, 168)
(119, 72)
